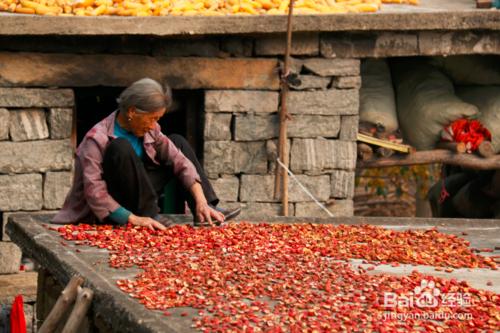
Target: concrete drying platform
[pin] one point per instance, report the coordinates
(126, 314)
(429, 15)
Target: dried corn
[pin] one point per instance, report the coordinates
(191, 7)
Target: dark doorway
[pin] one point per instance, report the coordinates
(185, 117)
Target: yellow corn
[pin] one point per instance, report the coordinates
(191, 7)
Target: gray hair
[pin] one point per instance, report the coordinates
(146, 95)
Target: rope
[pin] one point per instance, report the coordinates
(304, 188)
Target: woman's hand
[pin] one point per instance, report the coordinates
(206, 214)
(143, 221)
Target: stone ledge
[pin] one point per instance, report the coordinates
(454, 16)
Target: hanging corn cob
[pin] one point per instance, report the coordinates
(190, 7)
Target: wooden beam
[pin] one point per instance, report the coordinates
(24, 69)
(434, 156)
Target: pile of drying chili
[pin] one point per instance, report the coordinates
(292, 278)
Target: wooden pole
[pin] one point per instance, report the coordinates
(67, 297)
(79, 311)
(486, 149)
(282, 175)
(365, 152)
(444, 156)
(457, 147)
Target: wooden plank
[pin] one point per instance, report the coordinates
(71, 70)
(384, 143)
(434, 156)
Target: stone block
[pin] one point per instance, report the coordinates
(200, 47)
(458, 42)
(225, 157)
(251, 128)
(237, 46)
(218, 158)
(217, 127)
(262, 210)
(241, 101)
(4, 120)
(328, 102)
(35, 156)
(362, 45)
(318, 186)
(55, 188)
(339, 208)
(342, 184)
(260, 188)
(317, 155)
(308, 82)
(257, 188)
(346, 82)
(28, 124)
(333, 67)
(312, 126)
(6, 215)
(36, 98)
(226, 188)
(10, 258)
(250, 157)
(303, 44)
(21, 192)
(60, 123)
(349, 126)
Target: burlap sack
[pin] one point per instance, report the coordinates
(426, 102)
(470, 69)
(377, 101)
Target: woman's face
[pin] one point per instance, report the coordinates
(141, 122)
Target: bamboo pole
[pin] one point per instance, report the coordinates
(444, 156)
(80, 309)
(67, 297)
(281, 175)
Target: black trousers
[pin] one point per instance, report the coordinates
(138, 185)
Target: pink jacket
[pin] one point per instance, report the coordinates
(88, 198)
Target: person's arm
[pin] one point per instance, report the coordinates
(204, 212)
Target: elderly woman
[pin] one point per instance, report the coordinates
(124, 162)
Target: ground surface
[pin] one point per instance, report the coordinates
(62, 260)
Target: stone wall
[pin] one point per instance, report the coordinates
(36, 157)
(241, 132)
(240, 78)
